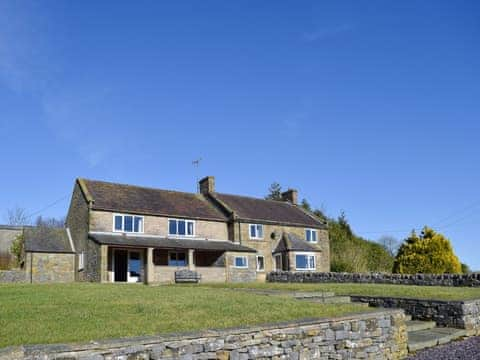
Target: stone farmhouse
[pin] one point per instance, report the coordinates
(125, 233)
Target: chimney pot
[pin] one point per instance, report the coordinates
(290, 195)
(207, 185)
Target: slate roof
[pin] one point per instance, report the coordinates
(142, 200)
(170, 243)
(44, 239)
(291, 242)
(279, 212)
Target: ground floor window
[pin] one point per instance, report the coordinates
(305, 261)
(260, 263)
(241, 262)
(177, 258)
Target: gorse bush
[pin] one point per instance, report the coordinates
(429, 253)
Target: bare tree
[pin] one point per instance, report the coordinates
(17, 216)
(50, 222)
(390, 243)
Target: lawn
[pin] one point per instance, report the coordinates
(32, 314)
(405, 291)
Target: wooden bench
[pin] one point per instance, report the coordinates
(187, 276)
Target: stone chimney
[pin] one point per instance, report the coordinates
(207, 185)
(290, 195)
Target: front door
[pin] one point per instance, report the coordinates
(121, 265)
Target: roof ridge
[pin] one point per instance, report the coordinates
(256, 198)
(141, 187)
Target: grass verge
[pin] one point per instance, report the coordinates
(404, 291)
(33, 314)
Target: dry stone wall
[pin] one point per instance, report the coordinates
(457, 314)
(472, 280)
(379, 335)
(13, 276)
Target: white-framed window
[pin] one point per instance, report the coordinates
(260, 263)
(240, 262)
(256, 231)
(128, 223)
(181, 227)
(177, 258)
(81, 261)
(311, 235)
(305, 261)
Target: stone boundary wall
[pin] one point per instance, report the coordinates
(472, 280)
(13, 276)
(379, 335)
(457, 314)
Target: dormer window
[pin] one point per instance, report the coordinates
(179, 227)
(311, 235)
(256, 231)
(127, 223)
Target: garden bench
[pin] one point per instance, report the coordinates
(187, 276)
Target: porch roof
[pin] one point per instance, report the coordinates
(170, 243)
(291, 242)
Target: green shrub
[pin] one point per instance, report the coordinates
(429, 253)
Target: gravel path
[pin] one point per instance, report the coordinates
(468, 349)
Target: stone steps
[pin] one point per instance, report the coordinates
(421, 339)
(416, 325)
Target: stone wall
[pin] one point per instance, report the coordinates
(50, 267)
(78, 223)
(380, 335)
(166, 274)
(457, 314)
(235, 274)
(13, 276)
(472, 280)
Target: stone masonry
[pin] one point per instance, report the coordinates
(456, 314)
(472, 280)
(12, 276)
(379, 335)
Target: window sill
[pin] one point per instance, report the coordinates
(305, 269)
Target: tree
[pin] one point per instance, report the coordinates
(274, 192)
(17, 249)
(465, 268)
(429, 253)
(17, 216)
(390, 244)
(50, 222)
(306, 205)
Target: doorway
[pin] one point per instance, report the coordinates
(127, 265)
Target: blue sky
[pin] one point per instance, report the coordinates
(371, 107)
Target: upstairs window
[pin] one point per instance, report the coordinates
(311, 235)
(178, 227)
(256, 231)
(128, 223)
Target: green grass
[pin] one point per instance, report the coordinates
(405, 291)
(32, 314)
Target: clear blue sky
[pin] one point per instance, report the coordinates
(372, 107)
